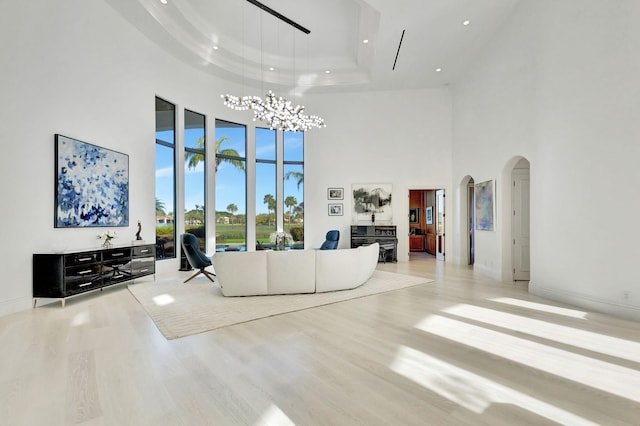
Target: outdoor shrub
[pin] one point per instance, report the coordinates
(297, 233)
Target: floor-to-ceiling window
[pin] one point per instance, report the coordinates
(266, 195)
(231, 186)
(195, 176)
(165, 179)
(293, 198)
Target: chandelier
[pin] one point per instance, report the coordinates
(276, 111)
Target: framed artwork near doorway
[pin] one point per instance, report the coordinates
(485, 205)
(414, 215)
(429, 214)
(372, 203)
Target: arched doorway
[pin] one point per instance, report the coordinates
(467, 216)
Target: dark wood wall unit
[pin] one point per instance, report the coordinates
(430, 201)
(417, 229)
(431, 244)
(417, 242)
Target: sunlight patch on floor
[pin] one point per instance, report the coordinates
(163, 299)
(612, 378)
(595, 342)
(541, 307)
(80, 318)
(274, 416)
(475, 393)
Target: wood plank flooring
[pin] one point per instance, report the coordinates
(463, 350)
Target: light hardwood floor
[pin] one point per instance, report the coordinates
(462, 350)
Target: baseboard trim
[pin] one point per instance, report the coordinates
(586, 301)
(487, 271)
(8, 307)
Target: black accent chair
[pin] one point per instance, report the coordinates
(331, 241)
(197, 259)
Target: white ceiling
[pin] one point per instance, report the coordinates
(249, 40)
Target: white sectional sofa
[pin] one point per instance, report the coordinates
(294, 271)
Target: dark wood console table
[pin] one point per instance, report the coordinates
(385, 235)
(62, 275)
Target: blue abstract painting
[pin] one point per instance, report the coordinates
(92, 185)
(485, 205)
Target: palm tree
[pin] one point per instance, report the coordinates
(199, 210)
(232, 208)
(298, 210)
(290, 202)
(271, 205)
(193, 158)
(298, 176)
(160, 207)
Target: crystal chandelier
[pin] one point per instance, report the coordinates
(276, 111)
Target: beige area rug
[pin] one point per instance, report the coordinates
(180, 310)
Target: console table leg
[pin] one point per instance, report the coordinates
(63, 300)
(34, 302)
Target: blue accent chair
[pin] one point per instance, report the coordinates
(197, 259)
(331, 241)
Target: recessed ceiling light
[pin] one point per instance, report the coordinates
(327, 71)
(465, 23)
(163, 1)
(365, 41)
(272, 69)
(438, 69)
(214, 47)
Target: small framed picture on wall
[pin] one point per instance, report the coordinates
(335, 209)
(414, 215)
(430, 215)
(335, 194)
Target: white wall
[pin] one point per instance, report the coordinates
(559, 87)
(397, 137)
(78, 68)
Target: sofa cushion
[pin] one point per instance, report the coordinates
(291, 271)
(344, 269)
(368, 261)
(245, 272)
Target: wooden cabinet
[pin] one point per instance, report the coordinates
(431, 244)
(416, 242)
(62, 275)
(385, 235)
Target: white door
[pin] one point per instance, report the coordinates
(440, 224)
(520, 224)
